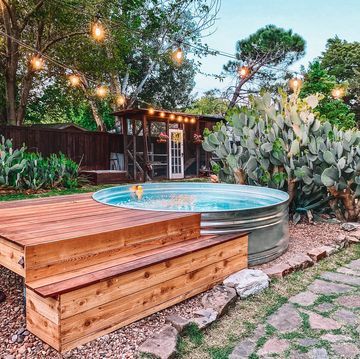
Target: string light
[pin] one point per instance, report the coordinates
(295, 84)
(37, 63)
(178, 56)
(162, 114)
(151, 111)
(186, 120)
(74, 80)
(179, 119)
(98, 31)
(338, 92)
(192, 120)
(243, 71)
(102, 91)
(120, 100)
(172, 117)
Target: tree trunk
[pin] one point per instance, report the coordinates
(25, 91)
(239, 176)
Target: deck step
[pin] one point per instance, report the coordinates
(67, 282)
(69, 310)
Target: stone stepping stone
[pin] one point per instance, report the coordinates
(355, 265)
(346, 350)
(318, 353)
(340, 277)
(304, 298)
(317, 321)
(308, 342)
(274, 346)
(349, 301)
(334, 338)
(285, 319)
(323, 287)
(346, 317)
(324, 307)
(219, 298)
(161, 345)
(345, 270)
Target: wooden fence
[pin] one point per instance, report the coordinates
(91, 149)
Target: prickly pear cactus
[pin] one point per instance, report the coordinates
(281, 144)
(12, 164)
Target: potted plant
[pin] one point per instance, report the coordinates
(197, 139)
(163, 137)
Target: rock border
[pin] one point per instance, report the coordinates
(240, 285)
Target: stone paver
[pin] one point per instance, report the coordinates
(304, 298)
(349, 301)
(342, 278)
(334, 338)
(274, 346)
(324, 307)
(354, 265)
(346, 350)
(338, 314)
(346, 317)
(318, 353)
(219, 299)
(286, 319)
(348, 271)
(319, 322)
(324, 287)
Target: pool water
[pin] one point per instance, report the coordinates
(190, 197)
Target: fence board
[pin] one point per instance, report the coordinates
(91, 148)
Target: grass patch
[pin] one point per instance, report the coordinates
(219, 352)
(194, 334)
(247, 314)
(51, 193)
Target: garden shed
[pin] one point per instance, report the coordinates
(165, 144)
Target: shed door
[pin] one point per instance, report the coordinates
(176, 154)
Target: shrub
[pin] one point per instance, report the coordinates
(22, 170)
(281, 144)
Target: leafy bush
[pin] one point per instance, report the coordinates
(281, 144)
(22, 170)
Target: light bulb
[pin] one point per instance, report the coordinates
(98, 31)
(295, 83)
(243, 71)
(179, 119)
(120, 100)
(151, 111)
(192, 120)
(172, 117)
(186, 120)
(178, 56)
(338, 92)
(74, 80)
(102, 91)
(162, 114)
(37, 63)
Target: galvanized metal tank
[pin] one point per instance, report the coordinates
(224, 208)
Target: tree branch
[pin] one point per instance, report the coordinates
(31, 13)
(60, 38)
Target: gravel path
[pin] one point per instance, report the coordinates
(124, 342)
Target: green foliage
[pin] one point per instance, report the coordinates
(22, 170)
(341, 59)
(12, 163)
(209, 104)
(319, 81)
(281, 144)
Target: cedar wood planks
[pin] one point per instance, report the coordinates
(102, 307)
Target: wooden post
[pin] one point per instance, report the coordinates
(197, 149)
(167, 150)
(145, 144)
(125, 134)
(134, 146)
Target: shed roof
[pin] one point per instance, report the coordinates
(144, 111)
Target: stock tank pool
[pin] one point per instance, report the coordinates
(224, 208)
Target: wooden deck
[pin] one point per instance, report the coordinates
(90, 269)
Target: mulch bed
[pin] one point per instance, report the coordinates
(124, 342)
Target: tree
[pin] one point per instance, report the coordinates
(317, 80)
(260, 53)
(342, 60)
(211, 103)
(140, 35)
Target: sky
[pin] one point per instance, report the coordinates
(315, 20)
